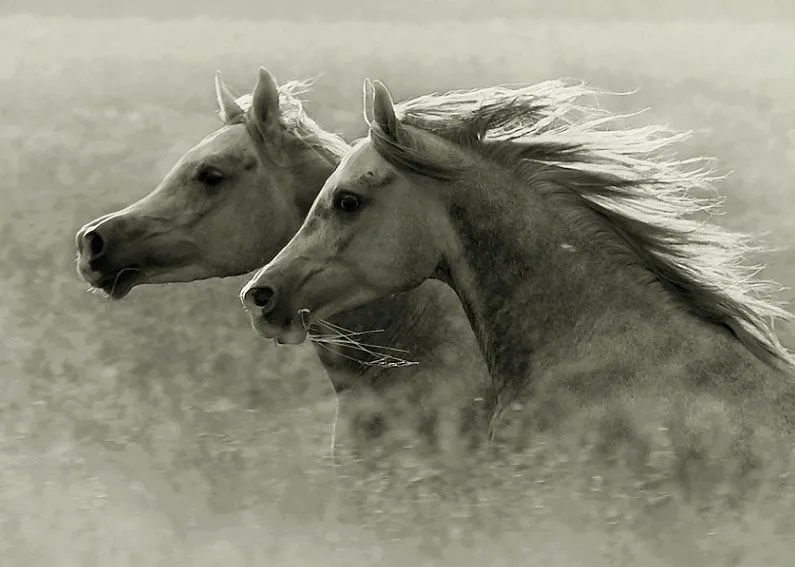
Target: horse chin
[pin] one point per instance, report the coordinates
(119, 284)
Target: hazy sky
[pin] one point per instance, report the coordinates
(413, 10)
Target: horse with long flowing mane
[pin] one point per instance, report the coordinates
(230, 204)
(604, 307)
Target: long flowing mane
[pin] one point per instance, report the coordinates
(622, 175)
(296, 121)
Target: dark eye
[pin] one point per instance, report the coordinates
(347, 202)
(210, 176)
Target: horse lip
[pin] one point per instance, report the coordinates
(291, 337)
(118, 283)
(292, 334)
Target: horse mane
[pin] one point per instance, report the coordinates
(296, 122)
(622, 175)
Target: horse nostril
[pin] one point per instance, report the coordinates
(263, 297)
(96, 245)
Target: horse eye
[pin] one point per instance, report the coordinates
(347, 202)
(210, 176)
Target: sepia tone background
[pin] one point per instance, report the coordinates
(160, 430)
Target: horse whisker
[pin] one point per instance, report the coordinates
(345, 337)
(378, 362)
(345, 340)
(351, 334)
(364, 347)
(345, 331)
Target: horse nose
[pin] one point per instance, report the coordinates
(262, 297)
(91, 243)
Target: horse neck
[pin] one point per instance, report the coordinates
(445, 399)
(541, 288)
(426, 325)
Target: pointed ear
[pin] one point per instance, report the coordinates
(227, 106)
(384, 109)
(367, 101)
(265, 100)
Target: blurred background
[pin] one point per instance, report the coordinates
(160, 430)
(416, 10)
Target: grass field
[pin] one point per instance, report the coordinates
(161, 430)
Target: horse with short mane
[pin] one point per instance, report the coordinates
(406, 369)
(625, 327)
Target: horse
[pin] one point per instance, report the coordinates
(625, 328)
(229, 205)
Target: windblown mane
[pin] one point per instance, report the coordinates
(618, 173)
(296, 121)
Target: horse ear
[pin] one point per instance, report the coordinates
(265, 100)
(384, 109)
(367, 101)
(227, 105)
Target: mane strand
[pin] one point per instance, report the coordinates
(620, 173)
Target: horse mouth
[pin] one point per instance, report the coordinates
(290, 332)
(119, 283)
